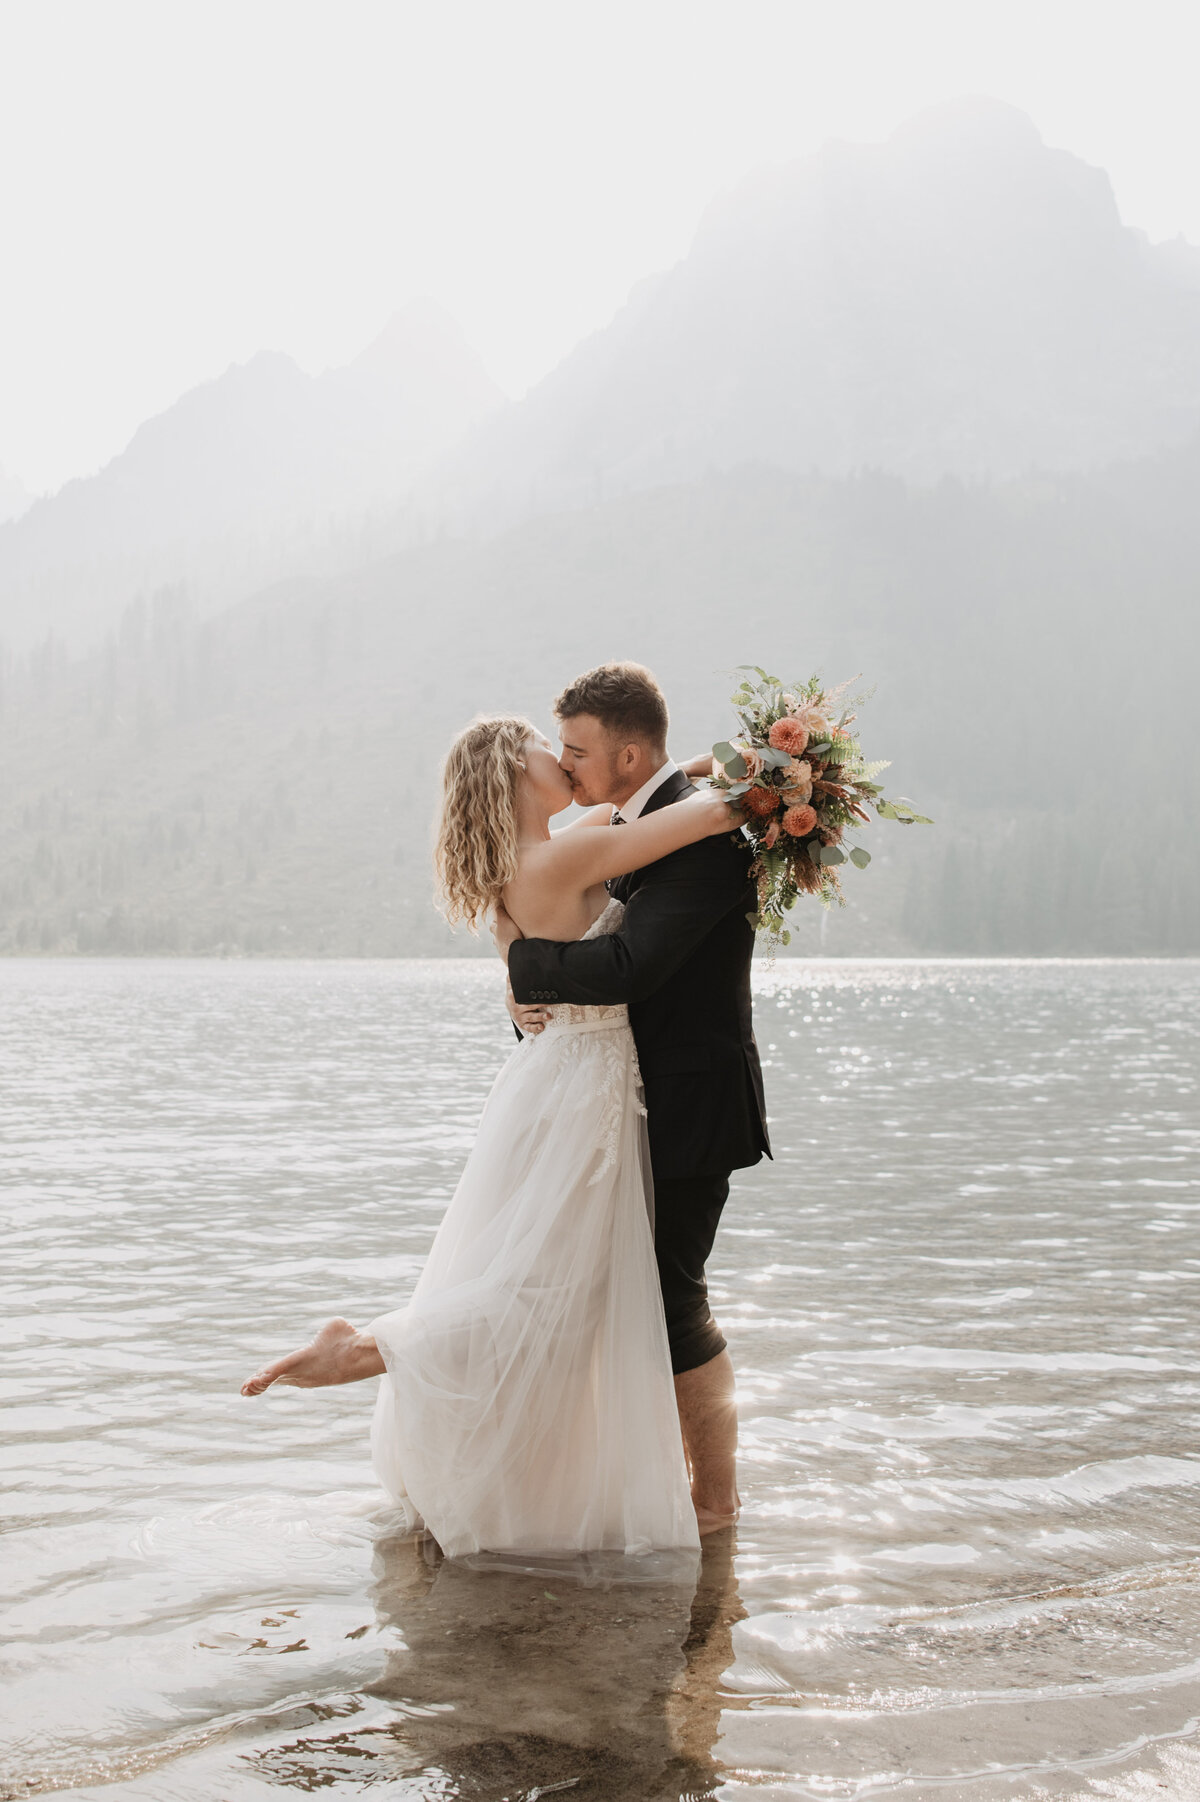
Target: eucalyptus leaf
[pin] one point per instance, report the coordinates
(774, 760)
(860, 858)
(723, 751)
(754, 921)
(814, 850)
(907, 814)
(886, 811)
(736, 766)
(832, 854)
(785, 937)
(818, 750)
(738, 788)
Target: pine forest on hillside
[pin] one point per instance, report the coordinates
(263, 781)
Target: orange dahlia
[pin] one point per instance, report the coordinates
(788, 735)
(799, 821)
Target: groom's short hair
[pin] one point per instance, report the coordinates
(624, 697)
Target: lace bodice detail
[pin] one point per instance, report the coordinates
(572, 1013)
(609, 920)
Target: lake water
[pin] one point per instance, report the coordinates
(963, 1308)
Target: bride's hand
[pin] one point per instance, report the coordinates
(719, 815)
(529, 1017)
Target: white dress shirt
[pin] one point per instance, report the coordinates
(633, 808)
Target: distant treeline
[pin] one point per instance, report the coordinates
(262, 781)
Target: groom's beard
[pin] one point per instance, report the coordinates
(595, 790)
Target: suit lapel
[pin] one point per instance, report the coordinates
(673, 789)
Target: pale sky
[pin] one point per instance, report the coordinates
(186, 182)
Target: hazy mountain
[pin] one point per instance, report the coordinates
(15, 498)
(263, 471)
(264, 780)
(959, 299)
(925, 410)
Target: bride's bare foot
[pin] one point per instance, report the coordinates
(338, 1354)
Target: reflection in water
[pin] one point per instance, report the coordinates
(600, 1674)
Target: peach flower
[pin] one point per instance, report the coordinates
(797, 782)
(770, 835)
(788, 735)
(799, 821)
(813, 721)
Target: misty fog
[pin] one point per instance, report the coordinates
(924, 410)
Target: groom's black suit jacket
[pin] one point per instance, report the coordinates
(682, 962)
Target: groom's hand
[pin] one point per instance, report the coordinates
(504, 930)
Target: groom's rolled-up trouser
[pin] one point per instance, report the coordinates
(687, 1211)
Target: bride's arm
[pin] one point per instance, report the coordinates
(595, 816)
(589, 858)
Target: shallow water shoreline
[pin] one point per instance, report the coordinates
(961, 1304)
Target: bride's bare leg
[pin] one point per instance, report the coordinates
(338, 1354)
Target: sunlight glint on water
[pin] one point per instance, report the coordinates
(963, 1308)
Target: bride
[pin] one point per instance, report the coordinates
(527, 1402)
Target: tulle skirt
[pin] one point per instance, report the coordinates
(528, 1403)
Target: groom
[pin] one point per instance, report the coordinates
(682, 961)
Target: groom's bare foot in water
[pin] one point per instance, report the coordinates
(338, 1354)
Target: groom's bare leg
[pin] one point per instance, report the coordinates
(708, 1416)
(338, 1354)
(687, 1211)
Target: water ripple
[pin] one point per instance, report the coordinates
(961, 1310)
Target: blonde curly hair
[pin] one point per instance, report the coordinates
(475, 854)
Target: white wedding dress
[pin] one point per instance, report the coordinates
(528, 1403)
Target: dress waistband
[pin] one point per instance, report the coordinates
(569, 1016)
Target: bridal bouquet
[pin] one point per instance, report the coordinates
(798, 774)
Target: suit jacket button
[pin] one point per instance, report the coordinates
(553, 995)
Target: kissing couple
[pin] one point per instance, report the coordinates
(557, 1383)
